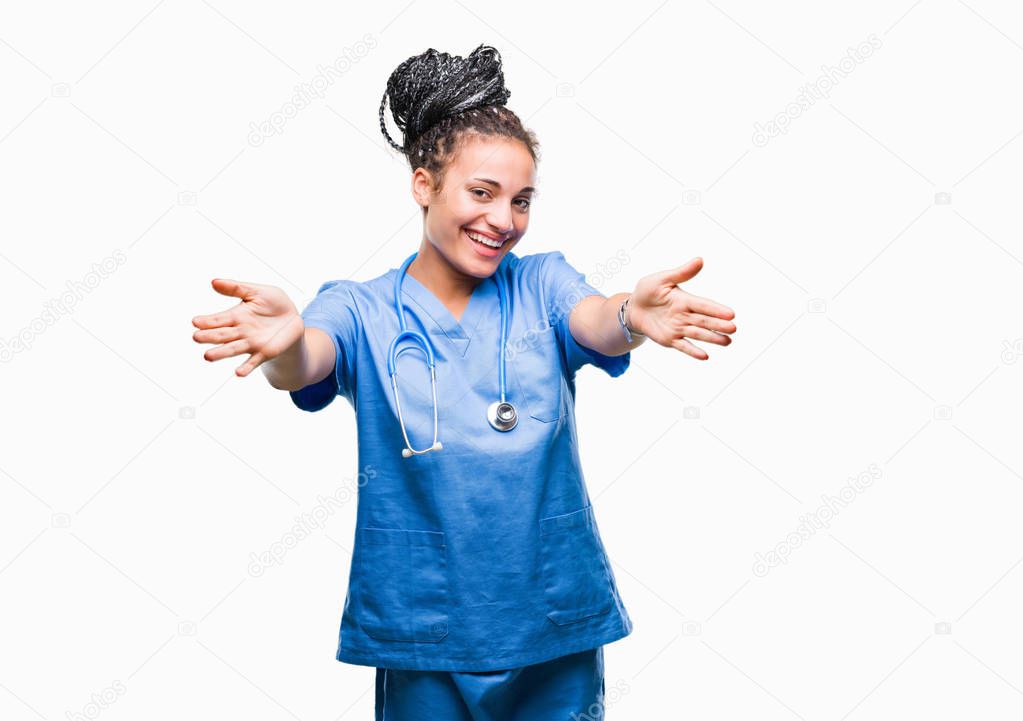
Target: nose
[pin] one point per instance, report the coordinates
(501, 221)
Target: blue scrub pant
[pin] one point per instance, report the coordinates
(569, 688)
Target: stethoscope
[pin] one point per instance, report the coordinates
(501, 414)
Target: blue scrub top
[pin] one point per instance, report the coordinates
(484, 555)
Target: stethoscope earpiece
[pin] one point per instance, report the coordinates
(501, 414)
(407, 452)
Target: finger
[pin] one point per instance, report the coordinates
(217, 335)
(683, 272)
(686, 347)
(254, 361)
(709, 307)
(227, 350)
(696, 333)
(710, 323)
(234, 288)
(217, 320)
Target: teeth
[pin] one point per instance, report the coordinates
(485, 240)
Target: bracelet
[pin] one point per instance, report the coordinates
(624, 325)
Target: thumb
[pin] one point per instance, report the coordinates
(234, 288)
(683, 272)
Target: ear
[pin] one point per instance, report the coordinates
(422, 186)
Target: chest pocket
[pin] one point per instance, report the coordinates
(534, 370)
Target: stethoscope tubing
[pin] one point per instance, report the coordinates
(424, 342)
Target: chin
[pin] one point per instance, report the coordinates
(490, 264)
(480, 267)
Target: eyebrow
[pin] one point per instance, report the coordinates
(527, 189)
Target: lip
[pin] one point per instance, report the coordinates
(486, 234)
(483, 250)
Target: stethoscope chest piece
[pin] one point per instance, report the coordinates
(502, 415)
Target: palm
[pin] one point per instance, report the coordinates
(669, 315)
(264, 324)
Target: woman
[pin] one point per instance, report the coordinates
(479, 586)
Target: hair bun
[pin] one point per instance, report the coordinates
(431, 86)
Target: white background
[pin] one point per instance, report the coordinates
(878, 330)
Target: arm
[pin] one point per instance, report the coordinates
(594, 324)
(657, 308)
(307, 361)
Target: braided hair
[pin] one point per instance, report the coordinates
(438, 100)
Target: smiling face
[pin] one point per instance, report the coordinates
(487, 190)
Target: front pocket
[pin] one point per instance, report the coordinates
(576, 581)
(404, 584)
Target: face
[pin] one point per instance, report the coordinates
(487, 191)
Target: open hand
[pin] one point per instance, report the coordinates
(265, 324)
(668, 315)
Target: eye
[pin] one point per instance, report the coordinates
(524, 202)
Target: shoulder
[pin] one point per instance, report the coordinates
(357, 292)
(553, 281)
(342, 305)
(534, 260)
(551, 271)
(539, 266)
(338, 288)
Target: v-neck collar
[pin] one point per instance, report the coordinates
(459, 333)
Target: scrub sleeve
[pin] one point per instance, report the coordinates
(333, 312)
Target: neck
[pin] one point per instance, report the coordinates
(450, 285)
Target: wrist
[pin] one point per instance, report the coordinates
(623, 320)
(629, 325)
(289, 369)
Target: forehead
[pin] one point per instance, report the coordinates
(505, 160)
